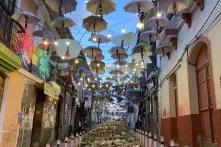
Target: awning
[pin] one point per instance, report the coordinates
(9, 61)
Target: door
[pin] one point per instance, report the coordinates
(204, 95)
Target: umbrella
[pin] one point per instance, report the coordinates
(141, 47)
(121, 62)
(99, 57)
(28, 16)
(97, 64)
(99, 39)
(67, 6)
(137, 58)
(118, 49)
(68, 48)
(94, 24)
(138, 6)
(110, 78)
(157, 22)
(98, 71)
(117, 72)
(127, 39)
(119, 56)
(100, 7)
(150, 35)
(181, 6)
(62, 21)
(92, 51)
(163, 49)
(43, 33)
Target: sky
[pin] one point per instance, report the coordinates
(116, 21)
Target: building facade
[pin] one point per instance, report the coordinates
(189, 80)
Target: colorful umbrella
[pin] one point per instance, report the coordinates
(100, 7)
(94, 24)
(68, 48)
(66, 6)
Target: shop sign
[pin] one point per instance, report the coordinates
(52, 89)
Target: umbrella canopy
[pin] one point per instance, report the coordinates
(100, 7)
(117, 49)
(181, 6)
(119, 56)
(99, 39)
(27, 16)
(127, 39)
(157, 22)
(138, 6)
(43, 33)
(67, 6)
(68, 48)
(141, 48)
(62, 21)
(117, 72)
(98, 71)
(163, 49)
(94, 24)
(99, 57)
(97, 64)
(137, 58)
(92, 51)
(150, 35)
(121, 62)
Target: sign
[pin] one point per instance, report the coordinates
(52, 89)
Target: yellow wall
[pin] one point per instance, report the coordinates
(12, 105)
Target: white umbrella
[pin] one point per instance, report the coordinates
(100, 7)
(43, 33)
(146, 58)
(181, 6)
(149, 35)
(63, 22)
(68, 48)
(138, 6)
(157, 22)
(94, 24)
(67, 6)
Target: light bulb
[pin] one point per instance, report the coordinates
(117, 65)
(76, 61)
(98, 64)
(88, 79)
(63, 57)
(140, 25)
(109, 35)
(123, 30)
(106, 85)
(55, 43)
(94, 39)
(45, 42)
(93, 86)
(86, 85)
(81, 79)
(68, 43)
(100, 86)
(159, 14)
(79, 83)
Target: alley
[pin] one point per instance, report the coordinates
(110, 73)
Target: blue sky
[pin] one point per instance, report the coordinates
(116, 21)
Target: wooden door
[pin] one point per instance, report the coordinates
(204, 95)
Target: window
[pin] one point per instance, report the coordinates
(2, 82)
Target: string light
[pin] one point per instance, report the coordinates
(140, 25)
(93, 86)
(79, 83)
(76, 61)
(159, 14)
(81, 79)
(63, 57)
(88, 79)
(55, 43)
(68, 43)
(94, 38)
(45, 42)
(123, 30)
(109, 35)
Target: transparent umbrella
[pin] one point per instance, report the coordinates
(157, 22)
(127, 39)
(68, 48)
(138, 6)
(149, 35)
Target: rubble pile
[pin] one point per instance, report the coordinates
(110, 134)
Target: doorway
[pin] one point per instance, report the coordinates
(205, 101)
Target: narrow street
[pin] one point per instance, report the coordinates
(110, 73)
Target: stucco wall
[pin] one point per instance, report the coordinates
(186, 88)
